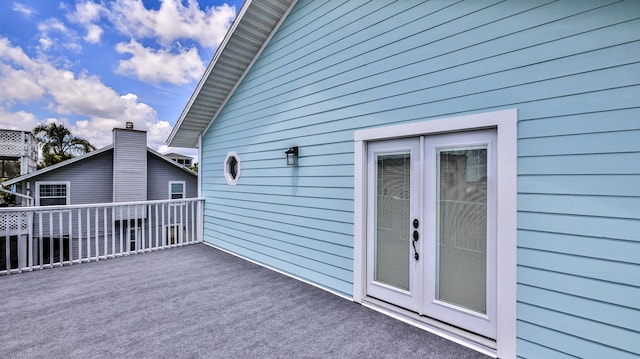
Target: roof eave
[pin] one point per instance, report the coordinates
(189, 126)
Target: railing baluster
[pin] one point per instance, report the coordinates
(113, 231)
(30, 231)
(19, 244)
(148, 228)
(162, 228)
(40, 241)
(186, 221)
(180, 225)
(71, 237)
(200, 221)
(51, 238)
(128, 234)
(194, 236)
(80, 235)
(155, 224)
(61, 240)
(173, 220)
(121, 225)
(7, 243)
(136, 242)
(89, 234)
(97, 234)
(105, 235)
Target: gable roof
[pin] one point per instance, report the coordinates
(253, 27)
(57, 165)
(85, 157)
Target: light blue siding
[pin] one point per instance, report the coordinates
(571, 68)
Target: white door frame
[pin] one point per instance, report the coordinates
(505, 123)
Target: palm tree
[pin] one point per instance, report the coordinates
(58, 144)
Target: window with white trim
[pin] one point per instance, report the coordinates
(52, 193)
(232, 168)
(176, 189)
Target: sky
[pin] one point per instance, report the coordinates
(93, 65)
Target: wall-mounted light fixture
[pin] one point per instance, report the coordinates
(292, 156)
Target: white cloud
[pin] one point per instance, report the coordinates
(45, 43)
(94, 33)
(87, 14)
(151, 65)
(19, 120)
(18, 85)
(173, 21)
(54, 34)
(23, 9)
(53, 25)
(69, 94)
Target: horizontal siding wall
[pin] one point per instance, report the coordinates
(91, 179)
(161, 172)
(571, 68)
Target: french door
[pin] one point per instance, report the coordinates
(431, 218)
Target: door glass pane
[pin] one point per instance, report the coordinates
(391, 244)
(462, 227)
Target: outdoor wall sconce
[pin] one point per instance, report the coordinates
(292, 156)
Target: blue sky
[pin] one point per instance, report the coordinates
(95, 64)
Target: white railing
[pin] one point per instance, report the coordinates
(44, 237)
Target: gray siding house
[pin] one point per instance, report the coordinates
(471, 167)
(125, 171)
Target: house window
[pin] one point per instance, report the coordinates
(184, 162)
(176, 189)
(232, 168)
(52, 193)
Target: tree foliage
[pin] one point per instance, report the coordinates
(58, 144)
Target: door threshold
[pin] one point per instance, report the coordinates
(467, 339)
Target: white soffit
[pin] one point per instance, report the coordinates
(254, 25)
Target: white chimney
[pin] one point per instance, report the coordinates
(129, 164)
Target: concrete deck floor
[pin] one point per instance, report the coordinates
(194, 302)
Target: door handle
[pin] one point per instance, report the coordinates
(416, 236)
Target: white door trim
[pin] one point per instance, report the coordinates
(505, 123)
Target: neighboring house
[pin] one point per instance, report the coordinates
(125, 171)
(469, 167)
(180, 159)
(18, 153)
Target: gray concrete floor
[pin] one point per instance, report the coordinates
(194, 302)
